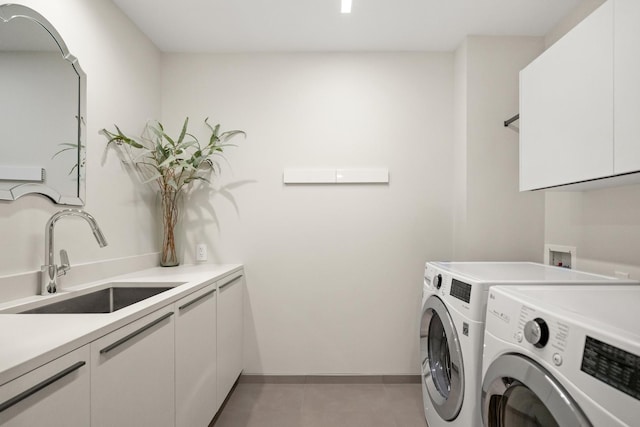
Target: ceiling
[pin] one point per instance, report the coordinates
(318, 25)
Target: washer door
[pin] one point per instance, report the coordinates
(442, 367)
(517, 392)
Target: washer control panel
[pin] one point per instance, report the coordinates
(536, 332)
(540, 332)
(437, 281)
(611, 365)
(429, 272)
(433, 278)
(461, 290)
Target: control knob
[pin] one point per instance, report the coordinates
(437, 281)
(536, 332)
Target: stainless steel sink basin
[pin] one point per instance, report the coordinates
(105, 300)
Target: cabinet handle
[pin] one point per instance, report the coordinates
(134, 334)
(230, 282)
(36, 388)
(195, 300)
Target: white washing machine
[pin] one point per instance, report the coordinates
(566, 356)
(452, 330)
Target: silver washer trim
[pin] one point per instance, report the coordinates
(518, 369)
(447, 408)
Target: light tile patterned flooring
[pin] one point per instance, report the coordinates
(323, 405)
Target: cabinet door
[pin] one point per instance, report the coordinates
(196, 358)
(55, 394)
(566, 107)
(132, 374)
(627, 86)
(230, 333)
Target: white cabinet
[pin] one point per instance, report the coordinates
(196, 358)
(579, 104)
(55, 394)
(566, 107)
(132, 374)
(627, 85)
(230, 333)
(172, 367)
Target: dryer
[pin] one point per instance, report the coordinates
(452, 330)
(567, 356)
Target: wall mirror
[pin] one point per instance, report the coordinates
(42, 110)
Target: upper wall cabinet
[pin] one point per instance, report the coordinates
(580, 103)
(627, 86)
(566, 107)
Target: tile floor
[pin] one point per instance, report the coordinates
(323, 405)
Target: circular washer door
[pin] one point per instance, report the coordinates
(442, 367)
(517, 391)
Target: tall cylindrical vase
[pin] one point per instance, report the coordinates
(170, 210)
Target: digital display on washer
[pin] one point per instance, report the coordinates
(611, 365)
(460, 290)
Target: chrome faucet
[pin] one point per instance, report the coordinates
(51, 271)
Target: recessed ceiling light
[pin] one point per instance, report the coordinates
(346, 6)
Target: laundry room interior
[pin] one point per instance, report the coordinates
(332, 271)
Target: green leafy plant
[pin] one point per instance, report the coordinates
(172, 164)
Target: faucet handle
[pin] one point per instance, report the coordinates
(65, 265)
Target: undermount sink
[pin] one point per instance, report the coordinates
(106, 300)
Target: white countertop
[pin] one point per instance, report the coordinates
(30, 340)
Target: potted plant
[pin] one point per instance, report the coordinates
(171, 164)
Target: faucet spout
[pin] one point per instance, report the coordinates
(97, 233)
(51, 271)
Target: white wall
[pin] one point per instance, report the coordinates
(493, 220)
(123, 78)
(460, 94)
(604, 225)
(582, 10)
(334, 273)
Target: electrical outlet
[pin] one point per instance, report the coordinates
(201, 252)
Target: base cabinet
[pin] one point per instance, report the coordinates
(230, 333)
(55, 394)
(173, 367)
(132, 374)
(196, 367)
